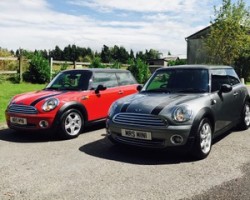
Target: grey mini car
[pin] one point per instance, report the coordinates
(181, 106)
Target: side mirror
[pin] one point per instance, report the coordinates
(139, 87)
(225, 88)
(100, 88)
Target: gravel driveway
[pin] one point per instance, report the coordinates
(37, 166)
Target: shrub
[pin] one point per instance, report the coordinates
(96, 63)
(15, 78)
(116, 65)
(39, 70)
(140, 70)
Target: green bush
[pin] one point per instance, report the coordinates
(96, 63)
(140, 70)
(15, 78)
(39, 70)
(116, 65)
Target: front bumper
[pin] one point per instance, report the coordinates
(160, 137)
(34, 121)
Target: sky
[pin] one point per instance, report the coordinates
(162, 25)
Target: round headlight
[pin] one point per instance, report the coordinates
(182, 114)
(50, 104)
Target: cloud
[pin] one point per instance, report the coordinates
(158, 24)
(138, 5)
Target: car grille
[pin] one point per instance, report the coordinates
(138, 119)
(22, 109)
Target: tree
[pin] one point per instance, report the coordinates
(229, 33)
(152, 54)
(105, 54)
(56, 54)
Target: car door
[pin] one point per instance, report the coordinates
(98, 102)
(222, 102)
(238, 97)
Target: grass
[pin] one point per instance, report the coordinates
(8, 90)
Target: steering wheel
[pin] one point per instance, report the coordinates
(67, 85)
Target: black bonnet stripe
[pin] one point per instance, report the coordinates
(42, 98)
(124, 107)
(159, 108)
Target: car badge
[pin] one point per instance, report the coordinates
(138, 110)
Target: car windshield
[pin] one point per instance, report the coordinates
(70, 80)
(179, 80)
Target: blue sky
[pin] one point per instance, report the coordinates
(134, 24)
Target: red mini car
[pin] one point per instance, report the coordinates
(73, 99)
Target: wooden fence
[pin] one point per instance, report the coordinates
(21, 60)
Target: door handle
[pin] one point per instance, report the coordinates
(120, 92)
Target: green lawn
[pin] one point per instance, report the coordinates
(8, 90)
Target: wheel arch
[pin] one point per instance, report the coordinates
(68, 106)
(203, 113)
(247, 98)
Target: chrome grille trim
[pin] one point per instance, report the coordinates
(22, 109)
(138, 119)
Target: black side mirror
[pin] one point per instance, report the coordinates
(225, 88)
(139, 87)
(100, 88)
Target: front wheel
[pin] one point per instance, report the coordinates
(203, 140)
(71, 124)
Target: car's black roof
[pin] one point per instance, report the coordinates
(196, 67)
(98, 70)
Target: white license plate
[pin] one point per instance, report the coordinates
(136, 134)
(18, 120)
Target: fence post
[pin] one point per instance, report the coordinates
(21, 67)
(74, 64)
(51, 67)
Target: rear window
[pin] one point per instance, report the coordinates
(125, 78)
(107, 79)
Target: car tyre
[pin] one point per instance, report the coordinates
(245, 117)
(203, 140)
(71, 124)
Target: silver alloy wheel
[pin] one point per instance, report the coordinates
(205, 138)
(73, 123)
(247, 115)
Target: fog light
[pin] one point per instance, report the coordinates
(176, 139)
(43, 124)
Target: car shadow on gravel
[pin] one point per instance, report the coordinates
(104, 149)
(25, 137)
(42, 136)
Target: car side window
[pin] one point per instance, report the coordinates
(232, 77)
(218, 77)
(106, 79)
(125, 78)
